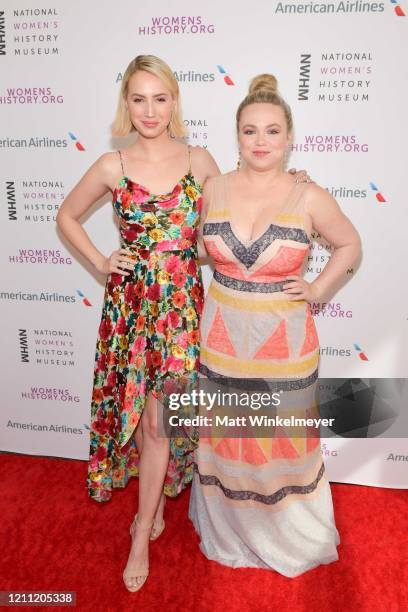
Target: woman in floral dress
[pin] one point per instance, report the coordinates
(148, 342)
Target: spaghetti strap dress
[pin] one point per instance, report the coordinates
(148, 338)
(261, 501)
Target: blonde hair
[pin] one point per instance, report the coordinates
(122, 126)
(264, 88)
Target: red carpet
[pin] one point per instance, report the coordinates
(55, 538)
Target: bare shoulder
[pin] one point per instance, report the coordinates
(108, 167)
(315, 193)
(203, 158)
(317, 198)
(109, 162)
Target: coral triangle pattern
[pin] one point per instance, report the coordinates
(311, 341)
(218, 338)
(276, 346)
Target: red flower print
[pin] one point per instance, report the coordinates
(161, 326)
(199, 306)
(192, 267)
(184, 244)
(131, 234)
(129, 288)
(166, 245)
(173, 364)
(179, 299)
(121, 394)
(116, 279)
(143, 253)
(167, 204)
(93, 463)
(187, 232)
(195, 292)
(177, 217)
(194, 336)
(139, 287)
(101, 363)
(130, 387)
(153, 292)
(172, 264)
(140, 322)
(156, 358)
(111, 380)
(136, 304)
(107, 391)
(199, 204)
(128, 403)
(121, 326)
(182, 340)
(97, 395)
(173, 319)
(139, 194)
(105, 328)
(179, 279)
(139, 345)
(101, 453)
(101, 425)
(111, 360)
(126, 199)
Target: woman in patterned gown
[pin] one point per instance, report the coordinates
(265, 501)
(148, 342)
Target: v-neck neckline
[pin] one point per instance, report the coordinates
(248, 244)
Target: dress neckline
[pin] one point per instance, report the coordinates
(249, 243)
(148, 192)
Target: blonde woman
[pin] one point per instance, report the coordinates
(148, 335)
(265, 501)
(148, 342)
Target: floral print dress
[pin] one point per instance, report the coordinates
(149, 332)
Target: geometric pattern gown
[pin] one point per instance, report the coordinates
(148, 337)
(261, 501)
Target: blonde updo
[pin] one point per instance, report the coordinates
(264, 89)
(122, 126)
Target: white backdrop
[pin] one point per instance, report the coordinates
(341, 67)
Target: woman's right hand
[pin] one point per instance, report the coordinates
(120, 261)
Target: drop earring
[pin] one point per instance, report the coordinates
(239, 162)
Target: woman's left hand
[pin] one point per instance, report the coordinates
(300, 176)
(299, 289)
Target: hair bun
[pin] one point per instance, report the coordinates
(264, 82)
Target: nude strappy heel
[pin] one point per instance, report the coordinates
(136, 572)
(156, 529)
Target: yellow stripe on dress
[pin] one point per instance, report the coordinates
(254, 305)
(254, 367)
(216, 214)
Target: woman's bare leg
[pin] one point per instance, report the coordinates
(158, 518)
(152, 471)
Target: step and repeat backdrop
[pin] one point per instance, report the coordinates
(342, 68)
